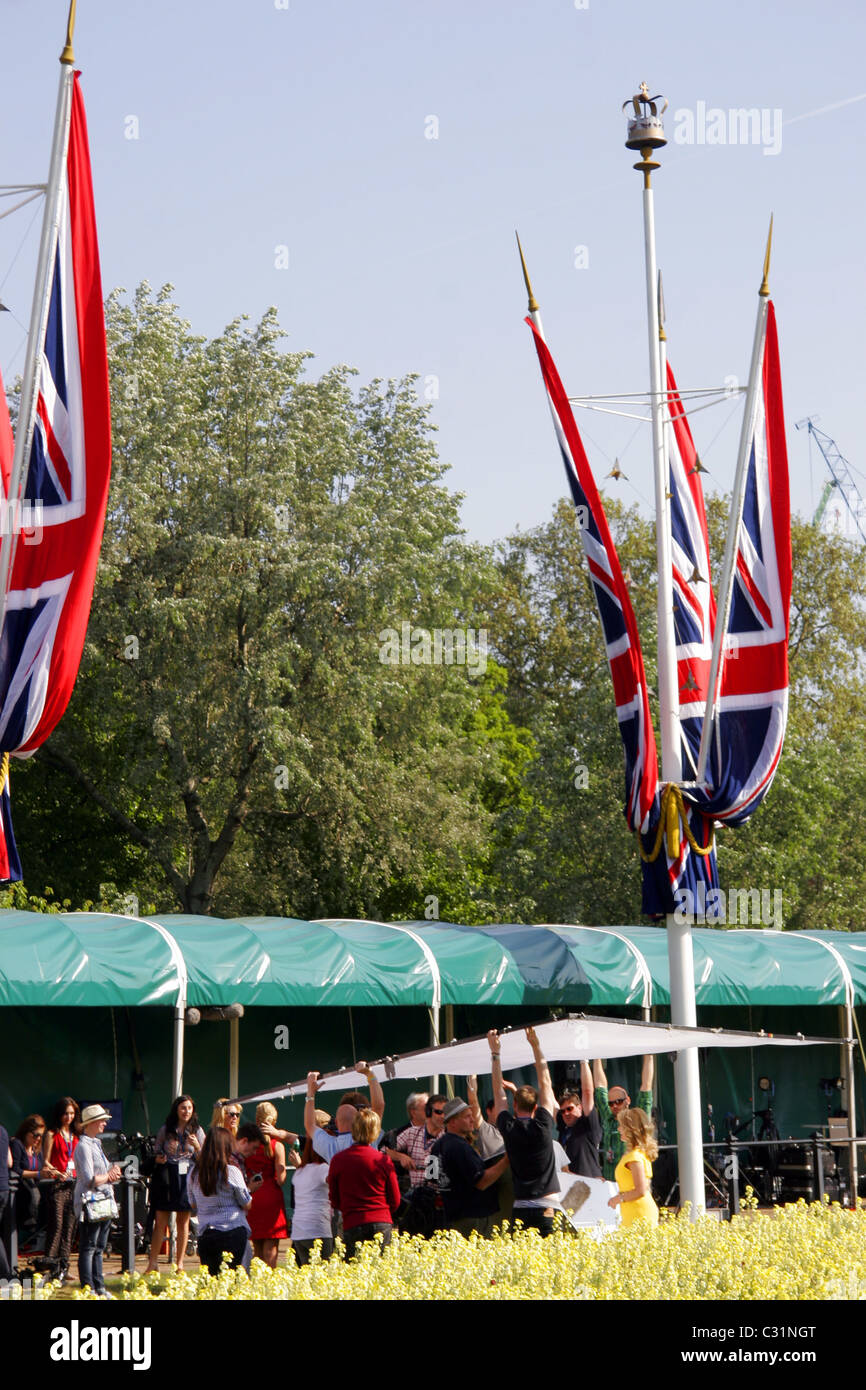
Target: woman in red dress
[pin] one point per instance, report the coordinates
(267, 1215)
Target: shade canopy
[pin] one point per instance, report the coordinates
(565, 1040)
(93, 959)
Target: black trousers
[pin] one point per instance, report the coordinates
(213, 1244)
(303, 1248)
(534, 1218)
(5, 1270)
(368, 1231)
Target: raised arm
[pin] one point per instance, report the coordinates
(377, 1095)
(286, 1136)
(647, 1073)
(310, 1104)
(587, 1090)
(280, 1169)
(598, 1075)
(499, 1101)
(472, 1098)
(546, 1098)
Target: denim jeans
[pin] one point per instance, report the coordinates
(92, 1240)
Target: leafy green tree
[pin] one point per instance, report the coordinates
(805, 837)
(575, 859)
(240, 739)
(234, 723)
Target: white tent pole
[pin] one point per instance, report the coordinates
(182, 979)
(848, 1049)
(234, 1054)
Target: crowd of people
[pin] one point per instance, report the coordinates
(449, 1165)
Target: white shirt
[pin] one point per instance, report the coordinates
(312, 1218)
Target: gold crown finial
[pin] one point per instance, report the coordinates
(765, 283)
(67, 56)
(533, 302)
(645, 129)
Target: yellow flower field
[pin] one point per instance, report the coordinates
(796, 1252)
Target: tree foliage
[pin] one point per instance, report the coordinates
(233, 721)
(236, 742)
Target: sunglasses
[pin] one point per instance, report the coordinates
(233, 1114)
(620, 1100)
(569, 1109)
(438, 1112)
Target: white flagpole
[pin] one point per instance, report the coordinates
(39, 310)
(726, 586)
(646, 134)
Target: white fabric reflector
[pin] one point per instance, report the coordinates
(565, 1040)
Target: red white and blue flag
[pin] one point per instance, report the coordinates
(58, 517)
(694, 602)
(694, 620)
(752, 698)
(10, 867)
(621, 639)
(752, 709)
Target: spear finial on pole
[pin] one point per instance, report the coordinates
(67, 56)
(533, 302)
(765, 283)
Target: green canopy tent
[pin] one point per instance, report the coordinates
(390, 970)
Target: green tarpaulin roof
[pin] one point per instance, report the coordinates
(92, 959)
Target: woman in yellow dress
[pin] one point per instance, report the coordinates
(635, 1169)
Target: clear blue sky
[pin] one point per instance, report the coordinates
(261, 126)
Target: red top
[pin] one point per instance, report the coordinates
(61, 1152)
(363, 1186)
(267, 1215)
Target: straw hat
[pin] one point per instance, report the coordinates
(94, 1112)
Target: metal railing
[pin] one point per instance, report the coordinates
(726, 1178)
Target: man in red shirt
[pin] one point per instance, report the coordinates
(363, 1186)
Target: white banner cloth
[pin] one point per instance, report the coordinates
(566, 1040)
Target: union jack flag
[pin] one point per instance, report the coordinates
(694, 620)
(57, 518)
(753, 686)
(621, 639)
(752, 709)
(752, 702)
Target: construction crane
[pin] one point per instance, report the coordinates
(822, 505)
(841, 477)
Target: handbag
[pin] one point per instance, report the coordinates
(99, 1206)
